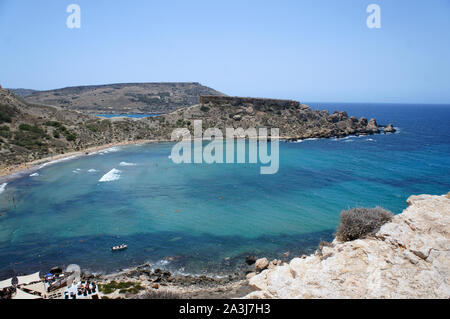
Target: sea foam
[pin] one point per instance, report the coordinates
(34, 175)
(127, 164)
(110, 150)
(58, 161)
(3, 187)
(112, 175)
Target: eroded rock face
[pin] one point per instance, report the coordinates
(408, 258)
(390, 129)
(261, 264)
(373, 126)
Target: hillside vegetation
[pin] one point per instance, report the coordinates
(150, 98)
(31, 131)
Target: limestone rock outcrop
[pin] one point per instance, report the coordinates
(389, 129)
(409, 257)
(261, 264)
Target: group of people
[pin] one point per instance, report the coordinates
(7, 293)
(84, 289)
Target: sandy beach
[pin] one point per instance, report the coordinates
(14, 171)
(10, 172)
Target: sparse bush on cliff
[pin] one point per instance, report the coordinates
(34, 129)
(5, 131)
(6, 113)
(53, 123)
(361, 222)
(204, 108)
(123, 287)
(157, 294)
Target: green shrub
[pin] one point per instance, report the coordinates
(32, 128)
(360, 222)
(123, 287)
(5, 131)
(204, 108)
(53, 123)
(29, 140)
(157, 294)
(92, 128)
(181, 123)
(6, 113)
(70, 136)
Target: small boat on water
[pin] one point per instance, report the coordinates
(118, 248)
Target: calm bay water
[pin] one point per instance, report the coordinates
(191, 217)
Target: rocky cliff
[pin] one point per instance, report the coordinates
(31, 131)
(409, 257)
(294, 120)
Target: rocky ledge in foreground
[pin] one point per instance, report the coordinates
(408, 257)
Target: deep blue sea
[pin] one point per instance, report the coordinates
(207, 218)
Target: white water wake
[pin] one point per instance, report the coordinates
(112, 175)
(127, 164)
(3, 187)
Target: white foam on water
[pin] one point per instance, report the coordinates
(112, 175)
(105, 151)
(127, 164)
(34, 175)
(58, 161)
(92, 170)
(311, 139)
(110, 150)
(370, 140)
(3, 187)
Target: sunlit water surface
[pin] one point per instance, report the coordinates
(207, 218)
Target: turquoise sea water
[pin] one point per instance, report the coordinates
(190, 218)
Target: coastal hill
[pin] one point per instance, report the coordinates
(30, 132)
(22, 92)
(408, 257)
(143, 98)
(295, 120)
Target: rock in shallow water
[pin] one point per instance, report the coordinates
(261, 264)
(389, 129)
(250, 260)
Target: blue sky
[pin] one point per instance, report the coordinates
(308, 50)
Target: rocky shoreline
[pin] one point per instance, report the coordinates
(408, 257)
(31, 133)
(158, 283)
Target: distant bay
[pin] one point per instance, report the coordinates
(207, 218)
